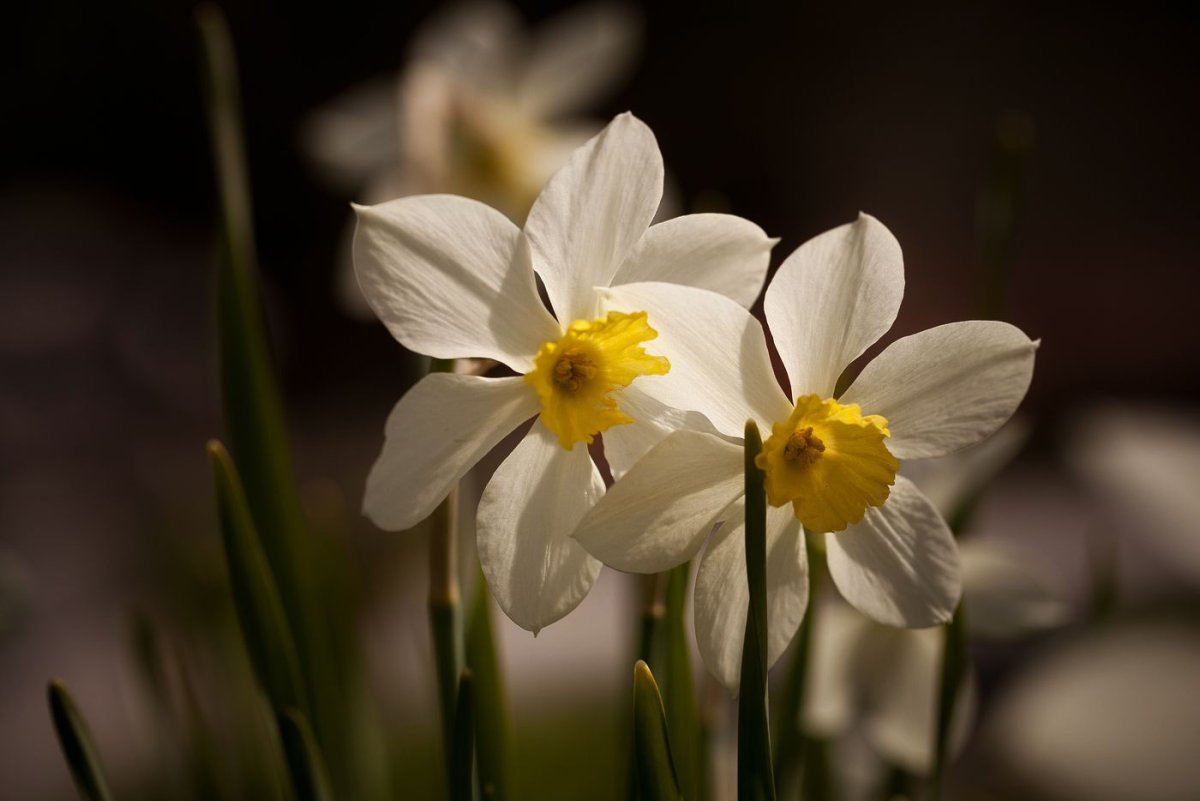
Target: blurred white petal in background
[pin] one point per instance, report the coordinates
(1112, 716)
(483, 109)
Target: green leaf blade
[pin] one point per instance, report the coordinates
(76, 743)
(306, 766)
(657, 778)
(260, 614)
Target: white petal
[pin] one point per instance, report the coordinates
(449, 277)
(537, 496)
(947, 387)
(831, 299)
(720, 252)
(722, 597)
(900, 565)
(834, 684)
(1005, 593)
(653, 422)
(1109, 717)
(592, 213)
(576, 56)
(718, 354)
(901, 697)
(660, 512)
(435, 434)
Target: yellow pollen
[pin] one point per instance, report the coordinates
(829, 462)
(803, 445)
(576, 376)
(573, 368)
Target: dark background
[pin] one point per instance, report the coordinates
(796, 116)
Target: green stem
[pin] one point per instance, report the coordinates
(462, 753)
(683, 715)
(792, 746)
(491, 724)
(444, 615)
(649, 645)
(755, 779)
(953, 671)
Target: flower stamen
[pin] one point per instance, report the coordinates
(573, 368)
(803, 446)
(576, 377)
(829, 461)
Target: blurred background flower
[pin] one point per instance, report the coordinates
(1037, 162)
(482, 108)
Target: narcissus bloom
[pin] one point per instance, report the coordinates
(453, 278)
(830, 461)
(483, 108)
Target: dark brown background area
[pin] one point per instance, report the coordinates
(799, 116)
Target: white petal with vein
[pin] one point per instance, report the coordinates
(900, 565)
(537, 496)
(831, 299)
(450, 278)
(434, 435)
(947, 387)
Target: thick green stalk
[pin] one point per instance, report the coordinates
(755, 779)
(76, 743)
(683, 714)
(953, 671)
(491, 724)
(792, 746)
(462, 751)
(657, 779)
(445, 616)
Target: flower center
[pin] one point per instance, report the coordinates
(573, 368)
(575, 376)
(803, 445)
(829, 461)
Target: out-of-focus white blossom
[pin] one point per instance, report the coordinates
(883, 682)
(1112, 716)
(483, 108)
(1144, 465)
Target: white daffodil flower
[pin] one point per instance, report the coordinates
(828, 467)
(483, 109)
(452, 278)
